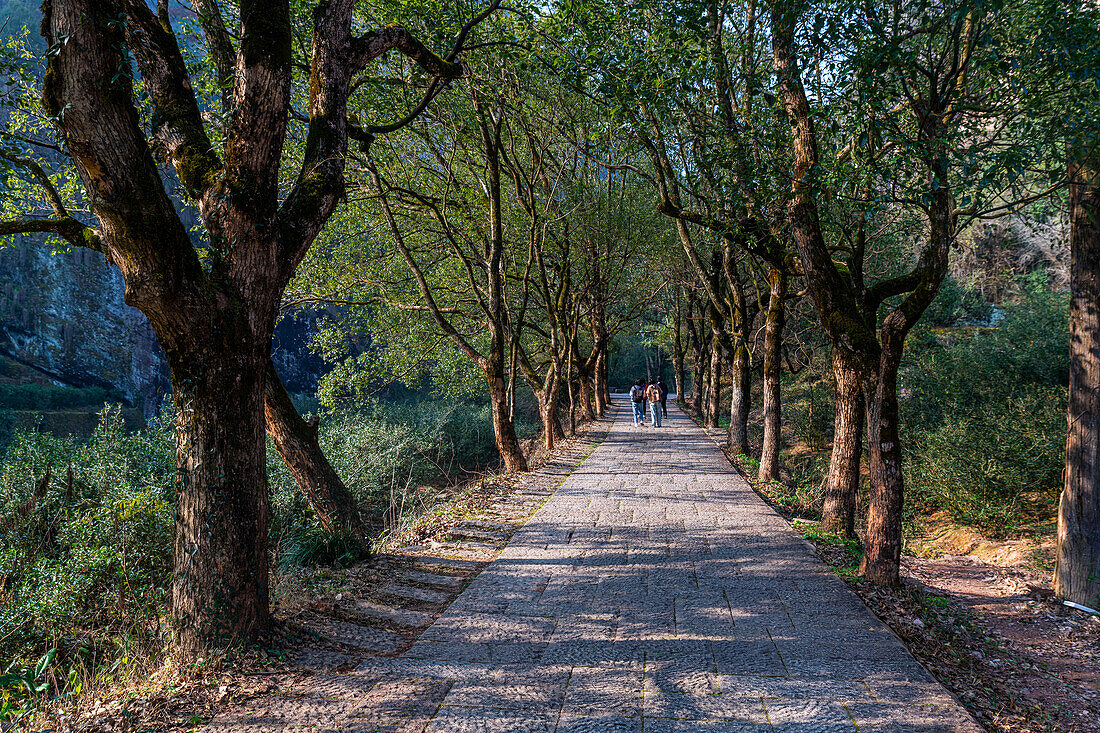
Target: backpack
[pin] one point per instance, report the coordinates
(637, 394)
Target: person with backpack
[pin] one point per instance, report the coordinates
(653, 395)
(664, 396)
(637, 401)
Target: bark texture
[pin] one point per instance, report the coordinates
(740, 399)
(711, 408)
(773, 363)
(296, 441)
(838, 512)
(220, 584)
(1077, 569)
(678, 349)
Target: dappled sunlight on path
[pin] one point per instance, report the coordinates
(654, 591)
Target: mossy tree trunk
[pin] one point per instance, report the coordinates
(295, 439)
(214, 320)
(711, 408)
(838, 512)
(678, 346)
(740, 398)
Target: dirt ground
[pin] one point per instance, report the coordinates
(1051, 664)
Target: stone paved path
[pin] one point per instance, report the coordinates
(653, 592)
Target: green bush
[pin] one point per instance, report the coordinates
(995, 468)
(85, 569)
(984, 421)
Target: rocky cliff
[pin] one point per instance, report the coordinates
(62, 315)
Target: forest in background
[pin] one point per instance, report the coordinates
(841, 233)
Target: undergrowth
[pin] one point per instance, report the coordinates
(86, 533)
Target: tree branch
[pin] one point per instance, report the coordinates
(218, 44)
(71, 230)
(178, 122)
(42, 180)
(372, 44)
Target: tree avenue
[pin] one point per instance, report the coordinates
(860, 118)
(525, 207)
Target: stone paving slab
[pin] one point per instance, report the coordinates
(443, 581)
(402, 617)
(414, 593)
(354, 635)
(653, 592)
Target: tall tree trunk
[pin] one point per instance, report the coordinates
(740, 397)
(698, 379)
(694, 399)
(678, 350)
(1077, 568)
(548, 411)
(549, 425)
(296, 441)
(570, 395)
(214, 323)
(838, 514)
(603, 391)
(588, 396)
(714, 383)
(220, 583)
(773, 363)
(504, 430)
(882, 556)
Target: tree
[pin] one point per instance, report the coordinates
(213, 308)
(472, 250)
(926, 83)
(1065, 46)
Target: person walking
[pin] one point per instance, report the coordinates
(664, 396)
(653, 394)
(637, 401)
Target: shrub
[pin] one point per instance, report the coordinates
(985, 420)
(85, 568)
(995, 468)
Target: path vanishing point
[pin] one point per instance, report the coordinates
(652, 592)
